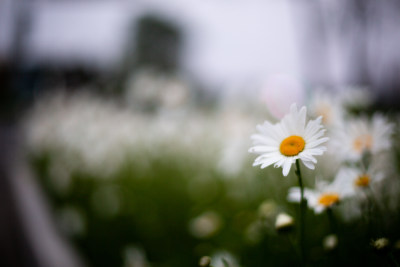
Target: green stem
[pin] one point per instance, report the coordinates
(392, 257)
(332, 220)
(373, 206)
(292, 243)
(302, 214)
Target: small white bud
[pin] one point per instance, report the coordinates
(283, 222)
(330, 242)
(205, 261)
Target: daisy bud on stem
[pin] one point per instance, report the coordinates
(284, 222)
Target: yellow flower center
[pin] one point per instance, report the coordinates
(328, 199)
(362, 142)
(292, 145)
(362, 181)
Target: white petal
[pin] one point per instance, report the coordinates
(267, 162)
(307, 157)
(319, 209)
(286, 166)
(262, 149)
(317, 142)
(308, 164)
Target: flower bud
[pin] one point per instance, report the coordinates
(330, 242)
(205, 261)
(284, 222)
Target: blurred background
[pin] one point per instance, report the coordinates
(125, 124)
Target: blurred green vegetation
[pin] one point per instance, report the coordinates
(151, 206)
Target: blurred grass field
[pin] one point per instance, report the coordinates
(151, 208)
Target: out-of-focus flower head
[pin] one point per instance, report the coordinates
(328, 106)
(150, 90)
(205, 225)
(325, 195)
(361, 135)
(360, 179)
(135, 256)
(219, 257)
(330, 242)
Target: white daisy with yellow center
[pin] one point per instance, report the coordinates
(325, 195)
(360, 179)
(290, 139)
(361, 136)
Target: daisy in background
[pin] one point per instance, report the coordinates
(325, 195)
(328, 106)
(289, 140)
(362, 135)
(363, 183)
(360, 179)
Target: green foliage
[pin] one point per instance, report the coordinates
(152, 207)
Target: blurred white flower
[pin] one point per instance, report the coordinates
(205, 225)
(283, 143)
(234, 127)
(325, 195)
(219, 257)
(135, 256)
(360, 179)
(151, 90)
(87, 133)
(330, 242)
(361, 135)
(205, 261)
(328, 106)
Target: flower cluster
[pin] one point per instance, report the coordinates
(358, 146)
(360, 177)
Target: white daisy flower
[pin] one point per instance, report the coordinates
(359, 178)
(290, 139)
(325, 195)
(363, 135)
(329, 107)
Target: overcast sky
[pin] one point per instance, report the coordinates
(224, 41)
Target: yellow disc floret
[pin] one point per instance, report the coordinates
(292, 145)
(328, 199)
(362, 180)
